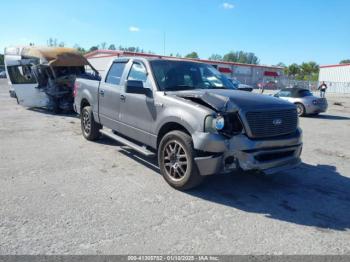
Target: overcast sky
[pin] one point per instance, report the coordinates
(275, 30)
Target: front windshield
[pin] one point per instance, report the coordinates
(186, 75)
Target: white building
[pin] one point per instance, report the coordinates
(245, 73)
(335, 73)
(337, 77)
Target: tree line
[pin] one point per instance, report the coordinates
(307, 71)
(303, 71)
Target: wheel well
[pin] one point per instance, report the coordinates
(168, 127)
(298, 103)
(84, 103)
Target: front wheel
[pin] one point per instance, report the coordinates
(176, 161)
(300, 109)
(89, 128)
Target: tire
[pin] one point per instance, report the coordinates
(300, 109)
(176, 161)
(89, 128)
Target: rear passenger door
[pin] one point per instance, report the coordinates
(109, 95)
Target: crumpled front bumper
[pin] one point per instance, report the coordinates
(240, 152)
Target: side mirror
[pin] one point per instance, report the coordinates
(135, 87)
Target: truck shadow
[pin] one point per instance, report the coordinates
(309, 195)
(330, 117)
(71, 114)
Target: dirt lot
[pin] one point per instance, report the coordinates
(62, 194)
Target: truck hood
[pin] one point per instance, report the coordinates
(222, 100)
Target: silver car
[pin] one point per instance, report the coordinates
(305, 101)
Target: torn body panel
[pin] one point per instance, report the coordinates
(217, 102)
(44, 77)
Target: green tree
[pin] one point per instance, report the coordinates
(103, 45)
(52, 42)
(1, 59)
(112, 47)
(281, 64)
(93, 48)
(80, 49)
(193, 55)
(309, 71)
(215, 57)
(345, 61)
(241, 57)
(293, 70)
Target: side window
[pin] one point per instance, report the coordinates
(21, 75)
(137, 72)
(284, 94)
(115, 73)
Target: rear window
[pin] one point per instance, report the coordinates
(115, 73)
(21, 75)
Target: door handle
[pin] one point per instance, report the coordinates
(102, 92)
(122, 97)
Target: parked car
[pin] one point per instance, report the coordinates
(243, 87)
(44, 77)
(305, 101)
(191, 117)
(2, 74)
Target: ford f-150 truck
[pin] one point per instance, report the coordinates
(191, 116)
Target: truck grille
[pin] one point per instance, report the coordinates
(272, 123)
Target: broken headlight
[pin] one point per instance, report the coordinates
(227, 124)
(214, 124)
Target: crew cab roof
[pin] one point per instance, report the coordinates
(124, 58)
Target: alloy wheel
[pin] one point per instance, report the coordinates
(175, 160)
(86, 122)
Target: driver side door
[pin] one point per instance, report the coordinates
(138, 112)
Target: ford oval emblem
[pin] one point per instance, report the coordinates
(277, 122)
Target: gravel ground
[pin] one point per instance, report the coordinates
(61, 194)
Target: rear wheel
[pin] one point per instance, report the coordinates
(176, 161)
(300, 109)
(89, 128)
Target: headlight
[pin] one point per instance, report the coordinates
(214, 123)
(219, 122)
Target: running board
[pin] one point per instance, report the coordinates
(124, 141)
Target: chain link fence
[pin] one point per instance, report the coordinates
(333, 87)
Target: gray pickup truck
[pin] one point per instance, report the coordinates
(191, 116)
